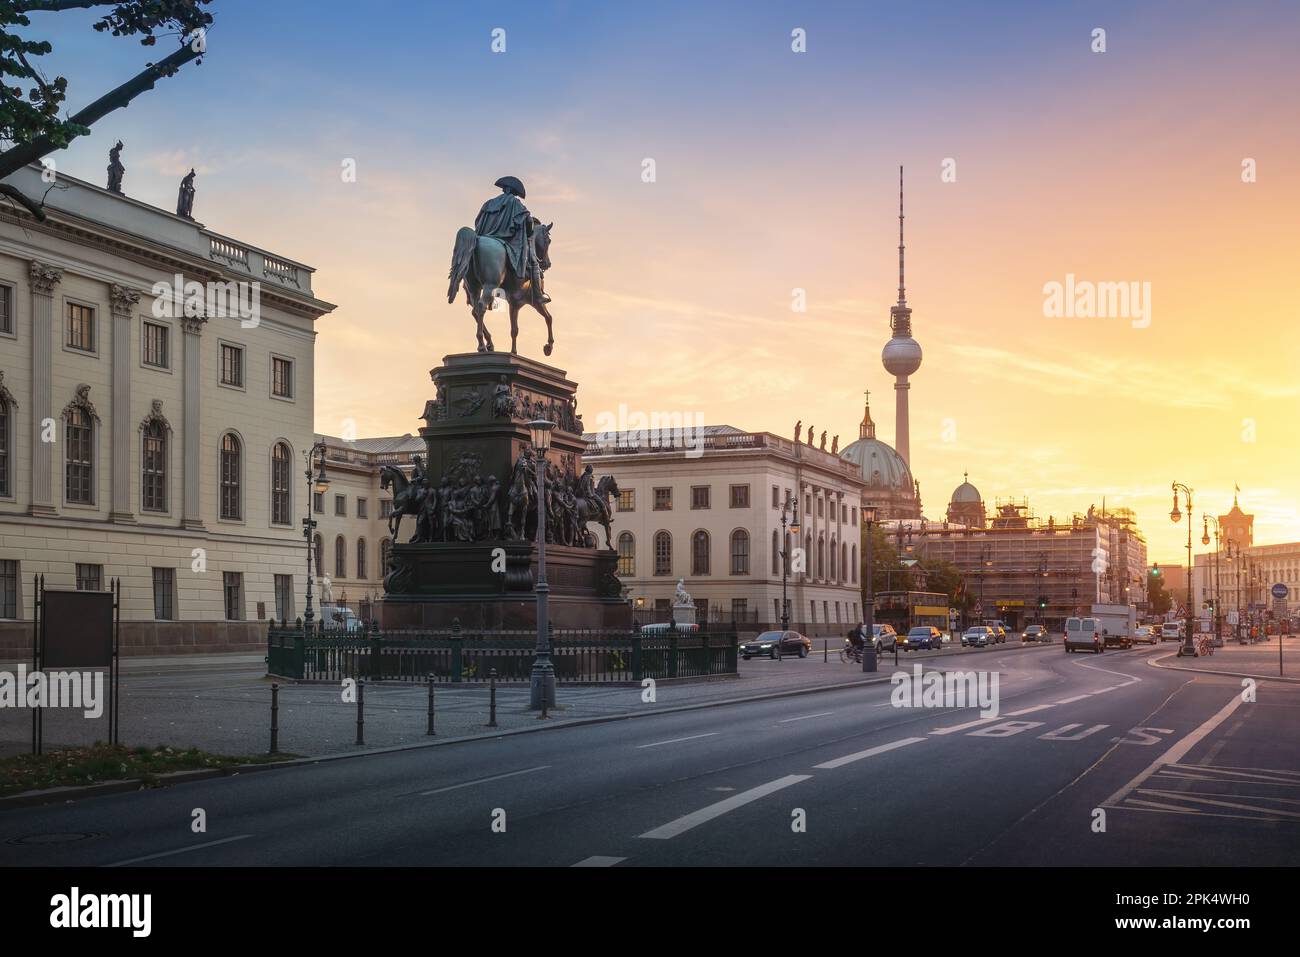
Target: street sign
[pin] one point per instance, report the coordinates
(1280, 590)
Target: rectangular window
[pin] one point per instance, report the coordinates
(776, 497)
(663, 499)
(385, 507)
(7, 311)
(81, 327)
(90, 577)
(232, 365)
(153, 469)
(700, 496)
(853, 515)
(284, 597)
(361, 508)
(821, 507)
(844, 514)
(233, 584)
(153, 342)
(739, 607)
(282, 377)
(8, 588)
(318, 503)
(740, 496)
(341, 505)
(164, 591)
(5, 430)
(627, 500)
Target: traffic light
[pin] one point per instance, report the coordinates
(1042, 601)
(1155, 571)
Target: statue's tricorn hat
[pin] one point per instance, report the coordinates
(511, 184)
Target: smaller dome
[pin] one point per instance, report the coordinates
(966, 493)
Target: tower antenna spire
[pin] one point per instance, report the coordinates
(902, 295)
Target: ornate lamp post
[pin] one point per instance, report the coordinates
(790, 507)
(1214, 569)
(1189, 646)
(541, 694)
(869, 618)
(317, 484)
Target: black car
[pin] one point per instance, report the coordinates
(777, 644)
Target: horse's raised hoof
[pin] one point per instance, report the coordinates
(547, 348)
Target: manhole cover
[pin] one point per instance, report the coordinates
(68, 838)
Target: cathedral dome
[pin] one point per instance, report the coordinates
(880, 465)
(965, 493)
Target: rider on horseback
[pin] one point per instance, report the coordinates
(506, 218)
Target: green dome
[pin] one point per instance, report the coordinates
(880, 465)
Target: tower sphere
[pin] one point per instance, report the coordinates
(901, 356)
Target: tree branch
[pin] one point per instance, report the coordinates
(14, 193)
(55, 5)
(15, 158)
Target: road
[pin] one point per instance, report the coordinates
(1091, 760)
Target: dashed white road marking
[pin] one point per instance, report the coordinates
(495, 777)
(1078, 697)
(1040, 707)
(705, 814)
(870, 752)
(690, 737)
(599, 860)
(180, 850)
(804, 717)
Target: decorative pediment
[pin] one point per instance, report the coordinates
(82, 401)
(6, 397)
(155, 416)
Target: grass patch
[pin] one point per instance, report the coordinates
(70, 767)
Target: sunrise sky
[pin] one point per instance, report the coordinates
(778, 170)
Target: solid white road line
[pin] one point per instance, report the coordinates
(180, 850)
(598, 861)
(870, 752)
(495, 777)
(1178, 751)
(1129, 679)
(1078, 697)
(804, 717)
(705, 814)
(675, 740)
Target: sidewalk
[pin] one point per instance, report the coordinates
(1253, 661)
(223, 705)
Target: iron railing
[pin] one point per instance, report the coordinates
(579, 657)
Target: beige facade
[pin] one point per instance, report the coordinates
(712, 515)
(147, 442)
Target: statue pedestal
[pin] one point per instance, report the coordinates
(475, 429)
(684, 614)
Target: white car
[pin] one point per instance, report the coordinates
(1171, 631)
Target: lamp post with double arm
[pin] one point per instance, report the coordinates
(1213, 568)
(317, 484)
(869, 603)
(1189, 645)
(790, 518)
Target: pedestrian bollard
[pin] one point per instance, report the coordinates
(825, 650)
(869, 658)
(361, 711)
(895, 652)
(430, 731)
(275, 717)
(492, 712)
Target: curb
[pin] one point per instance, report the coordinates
(67, 794)
(1155, 663)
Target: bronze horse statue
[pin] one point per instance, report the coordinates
(598, 509)
(406, 498)
(480, 264)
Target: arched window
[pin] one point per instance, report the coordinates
(340, 558)
(385, 555)
(854, 566)
(153, 468)
(80, 468)
(361, 558)
(700, 553)
(230, 472)
(280, 484)
(320, 556)
(776, 553)
(833, 564)
(626, 554)
(663, 553)
(740, 552)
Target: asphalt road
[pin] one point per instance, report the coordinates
(1091, 760)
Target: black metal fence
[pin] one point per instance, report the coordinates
(579, 657)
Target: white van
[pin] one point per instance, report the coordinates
(1171, 631)
(1083, 634)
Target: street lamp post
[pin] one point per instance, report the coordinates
(318, 484)
(790, 507)
(1214, 569)
(541, 693)
(1189, 646)
(869, 615)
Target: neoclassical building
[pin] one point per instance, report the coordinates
(145, 437)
